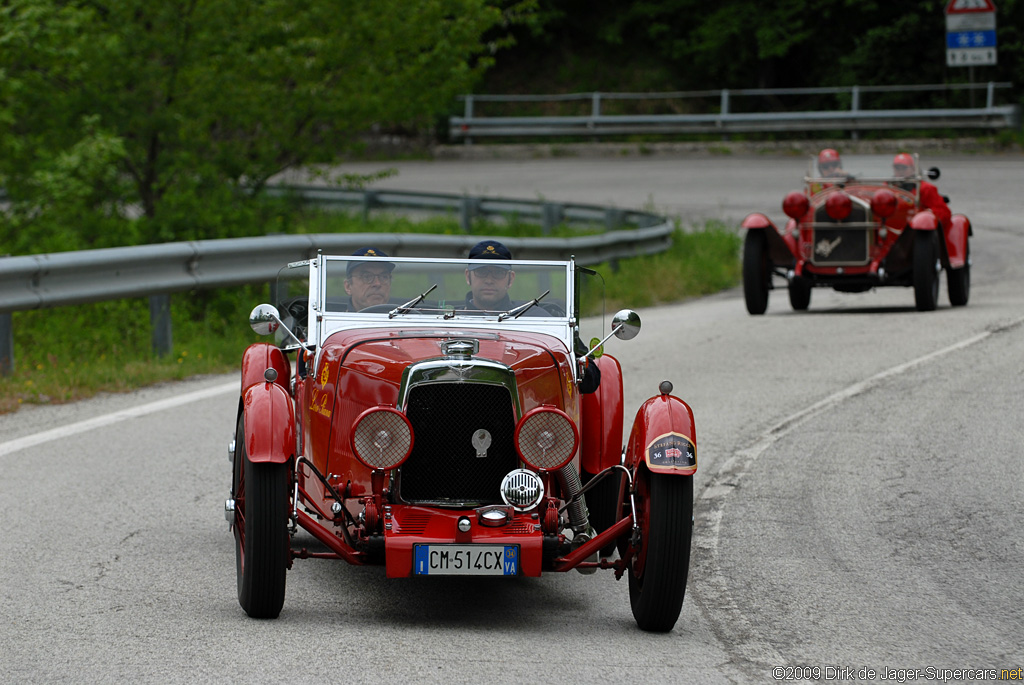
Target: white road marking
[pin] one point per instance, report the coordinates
(107, 419)
(714, 595)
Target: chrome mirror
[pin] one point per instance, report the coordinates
(264, 319)
(626, 324)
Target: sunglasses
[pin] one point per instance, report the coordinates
(492, 273)
(829, 165)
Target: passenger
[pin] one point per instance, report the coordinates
(489, 282)
(368, 282)
(903, 166)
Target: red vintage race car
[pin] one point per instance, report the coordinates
(863, 229)
(434, 439)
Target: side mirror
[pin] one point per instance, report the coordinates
(626, 324)
(265, 319)
(933, 173)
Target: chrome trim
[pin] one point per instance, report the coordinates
(458, 371)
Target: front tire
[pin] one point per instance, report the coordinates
(757, 272)
(800, 293)
(958, 282)
(262, 543)
(658, 573)
(926, 271)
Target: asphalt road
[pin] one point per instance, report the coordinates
(859, 492)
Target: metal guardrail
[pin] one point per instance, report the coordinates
(724, 121)
(65, 278)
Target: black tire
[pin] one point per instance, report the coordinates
(657, 575)
(262, 543)
(757, 272)
(926, 274)
(958, 282)
(800, 293)
(603, 505)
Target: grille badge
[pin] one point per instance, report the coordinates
(481, 441)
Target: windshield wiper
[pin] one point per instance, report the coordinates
(516, 312)
(403, 308)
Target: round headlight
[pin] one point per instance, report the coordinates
(795, 205)
(382, 438)
(546, 438)
(839, 205)
(522, 489)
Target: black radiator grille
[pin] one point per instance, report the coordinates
(444, 466)
(840, 245)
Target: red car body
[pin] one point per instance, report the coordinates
(483, 456)
(853, 234)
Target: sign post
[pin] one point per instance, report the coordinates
(970, 33)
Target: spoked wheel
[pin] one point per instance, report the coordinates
(800, 293)
(757, 271)
(926, 271)
(262, 542)
(657, 575)
(958, 282)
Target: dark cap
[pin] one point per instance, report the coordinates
(367, 252)
(489, 250)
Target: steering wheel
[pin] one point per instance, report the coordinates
(552, 308)
(377, 309)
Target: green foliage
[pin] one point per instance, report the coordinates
(176, 109)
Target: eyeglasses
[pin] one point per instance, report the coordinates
(491, 273)
(368, 277)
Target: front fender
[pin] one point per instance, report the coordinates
(601, 434)
(259, 357)
(956, 240)
(269, 419)
(663, 437)
(782, 248)
(924, 221)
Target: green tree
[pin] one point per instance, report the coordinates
(177, 109)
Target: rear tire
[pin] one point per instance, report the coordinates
(958, 282)
(757, 272)
(926, 272)
(800, 293)
(657, 575)
(262, 543)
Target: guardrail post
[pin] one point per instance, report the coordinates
(468, 115)
(724, 111)
(990, 99)
(468, 208)
(6, 344)
(160, 323)
(614, 218)
(551, 216)
(854, 106)
(369, 202)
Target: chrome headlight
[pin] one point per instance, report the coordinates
(546, 438)
(382, 438)
(522, 489)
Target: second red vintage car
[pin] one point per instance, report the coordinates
(429, 438)
(865, 229)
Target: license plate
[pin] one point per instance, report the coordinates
(465, 560)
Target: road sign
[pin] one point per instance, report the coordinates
(970, 33)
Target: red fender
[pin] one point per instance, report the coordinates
(663, 437)
(269, 423)
(781, 247)
(956, 240)
(924, 221)
(602, 419)
(259, 357)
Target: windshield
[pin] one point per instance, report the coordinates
(864, 168)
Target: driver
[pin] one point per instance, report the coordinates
(903, 167)
(368, 282)
(490, 280)
(830, 165)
